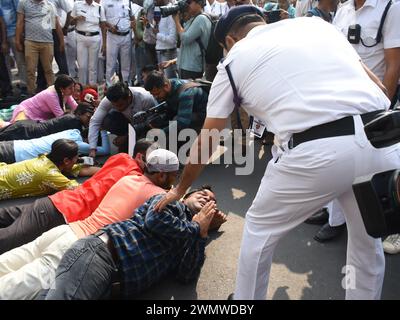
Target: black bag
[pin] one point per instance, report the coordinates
(213, 53)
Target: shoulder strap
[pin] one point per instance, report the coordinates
(236, 99)
(379, 34)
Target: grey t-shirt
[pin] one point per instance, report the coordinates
(40, 19)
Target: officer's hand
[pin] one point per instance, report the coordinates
(92, 153)
(172, 195)
(62, 47)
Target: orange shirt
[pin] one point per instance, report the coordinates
(119, 204)
(79, 203)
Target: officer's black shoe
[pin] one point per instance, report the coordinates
(320, 217)
(327, 233)
(231, 296)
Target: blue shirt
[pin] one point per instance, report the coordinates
(29, 149)
(9, 8)
(275, 6)
(152, 244)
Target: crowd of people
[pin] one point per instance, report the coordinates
(312, 71)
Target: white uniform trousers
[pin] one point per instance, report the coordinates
(87, 55)
(70, 52)
(26, 270)
(336, 215)
(301, 182)
(122, 46)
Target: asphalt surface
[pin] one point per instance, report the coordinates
(302, 268)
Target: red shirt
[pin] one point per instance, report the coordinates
(79, 203)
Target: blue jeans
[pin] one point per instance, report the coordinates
(85, 272)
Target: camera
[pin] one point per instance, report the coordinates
(272, 16)
(180, 6)
(88, 98)
(155, 117)
(378, 194)
(354, 34)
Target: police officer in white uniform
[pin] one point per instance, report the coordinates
(303, 6)
(382, 58)
(320, 146)
(70, 44)
(119, 38)
(89, 18)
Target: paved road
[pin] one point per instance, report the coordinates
(302, 268)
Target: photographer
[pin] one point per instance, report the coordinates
(287, 11)
(165, 33)
(115, 111)
(186, 101)
(190, 61)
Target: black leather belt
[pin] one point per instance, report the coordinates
(341, 127)
(88, 34)
(166, 50)
(121, 33)
(71, 29)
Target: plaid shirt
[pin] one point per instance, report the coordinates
(184, 104)
(152, 244)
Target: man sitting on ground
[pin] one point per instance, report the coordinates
(140, 251)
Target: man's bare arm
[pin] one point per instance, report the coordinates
(392, 72)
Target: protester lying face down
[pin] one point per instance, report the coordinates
(31, 129)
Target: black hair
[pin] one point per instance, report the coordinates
(62, 148)
(142, 145)
(243, 21)
(203, 187)
(80, 86)
(118, 91)
(155, 79)
(83, 107)
(62, 81)
(149, 68)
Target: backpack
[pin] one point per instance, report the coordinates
(214, 52)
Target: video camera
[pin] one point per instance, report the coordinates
(272, 16)
(378, 195)
(155, 117)
(180, 6)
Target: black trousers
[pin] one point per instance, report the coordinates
(185, 74)
(22, 224)
(7, 153)
(5, 83)
(116, 123)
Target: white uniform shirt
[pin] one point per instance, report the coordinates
(117, 13)
(92, 13)
(298, 73)
(369, 18)
(303, 6)
(217, 8)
